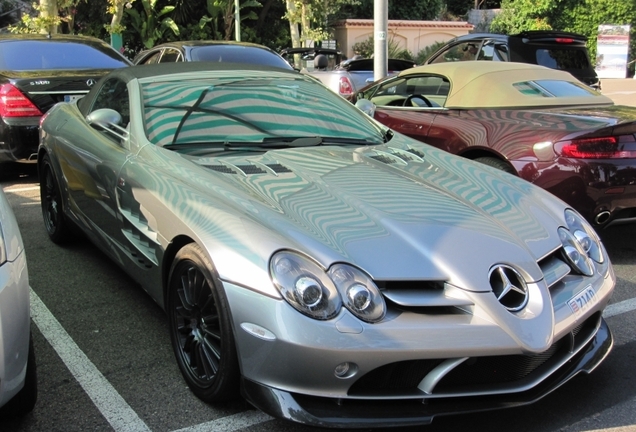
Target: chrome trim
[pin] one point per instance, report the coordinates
(440, 371)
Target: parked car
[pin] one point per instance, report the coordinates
(303, 58)
(211, 51)
(37, 71)
(554, 49)
(18, 376)
(338, 274)
(343, 77)
(538, 123)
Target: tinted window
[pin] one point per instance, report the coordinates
(553, 88)
(493, 51)
(459, 52)
(56, 55)
(238, 54)
(564, 59)
(171, 56)
(154, 58)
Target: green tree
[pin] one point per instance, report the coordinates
(402, 10)
(152, 21)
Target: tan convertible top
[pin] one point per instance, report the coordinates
(487, 84)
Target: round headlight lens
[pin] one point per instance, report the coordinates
(308, 291)
(575, 253)
(584, 235)
(305, 285)
(360, 294)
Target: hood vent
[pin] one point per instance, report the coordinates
(278, 168)
(416, 152)
(384, 159)
(251, 169)
(221, 168)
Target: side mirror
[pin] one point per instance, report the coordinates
(366, 106)
(109, 121)
(104, 117)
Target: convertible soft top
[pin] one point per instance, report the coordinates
(487, 84)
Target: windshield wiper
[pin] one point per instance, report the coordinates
(270, 143)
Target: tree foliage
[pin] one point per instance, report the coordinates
(398, 10)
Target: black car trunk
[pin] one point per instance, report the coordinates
(47, 87)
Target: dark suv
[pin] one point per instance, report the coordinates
(557, 50)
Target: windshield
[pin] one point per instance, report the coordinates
(57, 55)
(251, 110)
(238, 54)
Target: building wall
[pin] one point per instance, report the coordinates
(412, 35)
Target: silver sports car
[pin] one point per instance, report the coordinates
(332, 271)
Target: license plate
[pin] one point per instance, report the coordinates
(71, 98)
(583, 301)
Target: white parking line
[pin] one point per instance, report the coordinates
(619, 308)
(112, 406)
(230, 423)
(24, 189)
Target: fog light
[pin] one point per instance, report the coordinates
(345, 370)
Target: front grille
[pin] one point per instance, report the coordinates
(400, 376)
(477, 374)
(496, 369)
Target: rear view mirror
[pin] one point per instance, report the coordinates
(366, 106)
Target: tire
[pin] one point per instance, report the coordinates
(23, 402)
(201, 328)
(496, 163)
(51, 200)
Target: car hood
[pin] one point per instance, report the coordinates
(402, 210)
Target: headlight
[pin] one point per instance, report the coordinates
(575, 254)
(305, 285)
(585, 235)
(319, 294)
(359, 293)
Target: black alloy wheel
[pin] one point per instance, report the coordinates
(200, 328)
(51, 202)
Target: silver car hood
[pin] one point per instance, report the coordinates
(401, 209)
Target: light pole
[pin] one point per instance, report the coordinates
(237, 20)
(380, 46)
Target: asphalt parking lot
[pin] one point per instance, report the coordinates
(105, 362)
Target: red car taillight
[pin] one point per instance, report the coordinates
(597, 148)
(345, 88)
(13, 103)
(564, 40)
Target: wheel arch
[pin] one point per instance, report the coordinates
(168, 258)
(476, 153)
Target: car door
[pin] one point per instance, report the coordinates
(409, 104)
(91, 159)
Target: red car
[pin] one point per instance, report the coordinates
(538, 123)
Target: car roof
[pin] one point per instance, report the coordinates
(487, 84)
(193, 43)
(528, 34)
(163, 69)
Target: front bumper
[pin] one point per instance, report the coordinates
(359, 412)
